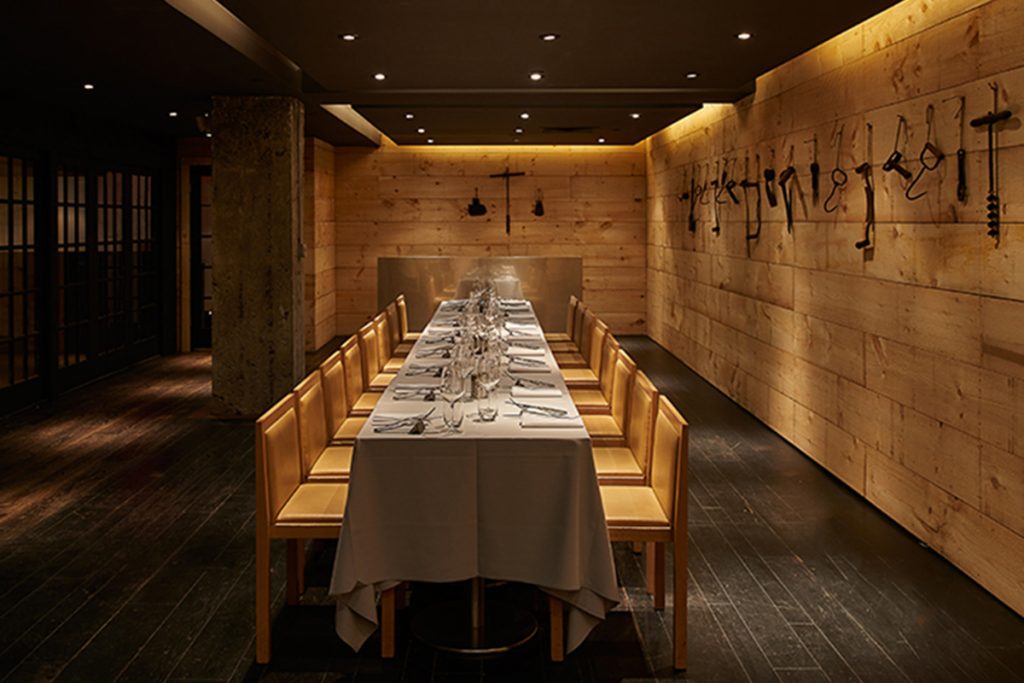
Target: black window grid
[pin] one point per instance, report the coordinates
(19, 328)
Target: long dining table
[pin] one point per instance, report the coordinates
(515, 499)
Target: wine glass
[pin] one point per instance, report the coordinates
(452, 389)
(489, 376)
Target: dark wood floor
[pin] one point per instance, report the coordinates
(126, 544)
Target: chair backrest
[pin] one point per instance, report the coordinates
(278, 468)
(394, 328)
(380, 321)
(371, 352)
(597, 346)
(403, 316)
(643, 406)
(622, 385)
(332, 375)
(352, 358)
(577, 324)
(589, 320)
(668, 461)
(607, 374)
(309, 402)
(570, 314)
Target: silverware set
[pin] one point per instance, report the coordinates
(425, 370)
(415, 424)
(545, 411)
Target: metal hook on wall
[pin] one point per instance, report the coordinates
(838, 175)
(895, 157)
(931, 156)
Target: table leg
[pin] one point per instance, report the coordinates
(477, 611)
(557, 611)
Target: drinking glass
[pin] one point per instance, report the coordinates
(453, 388)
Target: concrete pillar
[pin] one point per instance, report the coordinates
(258, 335)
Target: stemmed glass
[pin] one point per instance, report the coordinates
(489, 377)
(452, 389)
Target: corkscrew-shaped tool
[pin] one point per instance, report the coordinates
(990, 120)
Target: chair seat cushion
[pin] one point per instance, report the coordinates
(632, 506)
(315, 503)
(602, 426)
(411, 336)
(393, 366)
(403, 349)
(335, 463)
(570, 360)
(580, 377)
(563, 347)
(349, 429)
(557, 337)
(589, 397)
(365, 404)
(616, 462)
(381, 382)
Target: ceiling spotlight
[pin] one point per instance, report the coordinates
(519, 131)
(692, 75)
(536, 75)
(172, 114)
(348, 36)
(89, 86)
(524, 116)
(421, 131)
(379, 77)
(744, 36)
(634, 115)
(548, 37)
(409, 117)
(600, 141)
(209, 135)
(430, 141)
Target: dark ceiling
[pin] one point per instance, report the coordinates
(461, 67)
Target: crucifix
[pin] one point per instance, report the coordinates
(507, 175)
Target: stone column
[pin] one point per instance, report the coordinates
(258, 335)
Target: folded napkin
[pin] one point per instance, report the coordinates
(525, 351)
(536, 392)
(520, 337)
(532, 420)
(515, 366)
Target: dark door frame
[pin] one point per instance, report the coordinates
(201, 334)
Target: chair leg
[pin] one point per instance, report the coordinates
(387, 624)
(679, 595)
(262, 600)
(296, 561)
(557, 611)
(656, 573)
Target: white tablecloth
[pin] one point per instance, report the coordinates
(500, 501)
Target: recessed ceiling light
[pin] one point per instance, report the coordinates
(209, 135)
(524, 116)
(692, 75)
(409, 117)
(348, 36)
(89, 86)
(744, 36)
(519, 131)
(600, 140)
(379, 77)
(430, 141)
(172, 114)
(548, 37)
(536, 75)
(421, 131)
(634, 115)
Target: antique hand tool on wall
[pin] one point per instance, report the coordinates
(815, 171)
(838, 175)
(990, 120)
(931, 157)
(864, 170)
(893, 163)
(508, 175)
(769, 182)
(747, 184)
(785, 177)
(961, 152)
(716, 198)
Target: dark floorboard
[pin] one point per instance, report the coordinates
(126, 554)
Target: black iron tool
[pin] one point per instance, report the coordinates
(747, 184)
(893, 163)
(691, 220)
(815, 171)
(769, 187)
(961, 153)
(508, 175)
(730, 184)
(838, 175)
(719, 185)
(864, 170)
(990, 120)
(785, 177)
(931, 157)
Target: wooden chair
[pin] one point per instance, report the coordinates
(591, 401)
(628, 464)
(575, 359)
(390, 363)
(291, 509)
(562, 341)
(357, 401)
(321, 461)
(586, 376)
(403, 321)
(610, 430)
(398, 348)
(655, 513)
(373, 378)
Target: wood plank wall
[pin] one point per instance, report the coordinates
(395, 200)
(901, 372)
(318, 238)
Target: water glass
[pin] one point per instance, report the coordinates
(452, 414)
